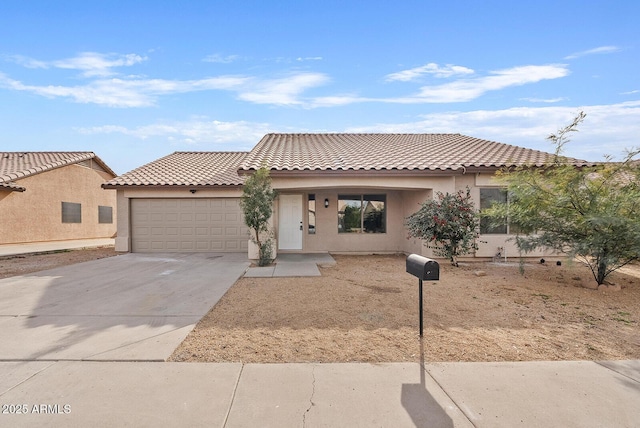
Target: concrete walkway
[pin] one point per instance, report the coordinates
(41, 247)
(532, 394)
(288, 265)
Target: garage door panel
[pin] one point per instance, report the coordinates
(141, 231)
(201, 203)
(203, 246)
(188, 225)
(187, 246)
(231, 231)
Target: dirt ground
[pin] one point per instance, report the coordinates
(365, 309)
(23, 264)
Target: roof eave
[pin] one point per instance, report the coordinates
(13, 188)
(118, 186)
(371, 172)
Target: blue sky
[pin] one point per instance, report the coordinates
(134, 81)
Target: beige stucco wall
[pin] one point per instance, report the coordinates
(36, 214)
(404, 193)
(404, 196)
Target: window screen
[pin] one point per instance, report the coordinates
(105, 214)
(71, 212)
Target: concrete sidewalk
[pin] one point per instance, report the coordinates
(527, 394)
(42, 247)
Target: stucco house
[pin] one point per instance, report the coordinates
(343, 193)
(53, 196)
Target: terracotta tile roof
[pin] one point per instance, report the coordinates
(365, 152)
(185, 169)
(17, 165)
(12, 186)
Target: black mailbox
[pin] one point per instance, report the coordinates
(423, 268)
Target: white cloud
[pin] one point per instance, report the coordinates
(599, 50)
(27, 62)
(544, 100)
(91, 64)
(338, 100)
(125, 92)
(469, 89)
(104, 88)
(284, 91)
(309, 58)
(221, 59)
(608, 129)
(460, 90)
(432, 69)
(193, 132)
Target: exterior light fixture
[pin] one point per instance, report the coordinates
(193, 190)
(326, 203)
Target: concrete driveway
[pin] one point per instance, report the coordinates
(133, 307)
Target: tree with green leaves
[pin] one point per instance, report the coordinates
(449, 223)
(257, 206)
(591, 213)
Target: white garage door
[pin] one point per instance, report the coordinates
(188, 225)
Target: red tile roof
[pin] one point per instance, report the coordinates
(17, 165)
(185, 169)
(365, 152)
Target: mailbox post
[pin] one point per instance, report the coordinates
(424, 269)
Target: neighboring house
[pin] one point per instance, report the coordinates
(53, 196)
(347, 193)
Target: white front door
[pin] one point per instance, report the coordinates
(290, 222)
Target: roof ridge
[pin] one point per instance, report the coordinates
(210, 151)
(366, 133)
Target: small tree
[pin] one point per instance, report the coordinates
(450, 222)
(592, 213)
(257, 206)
